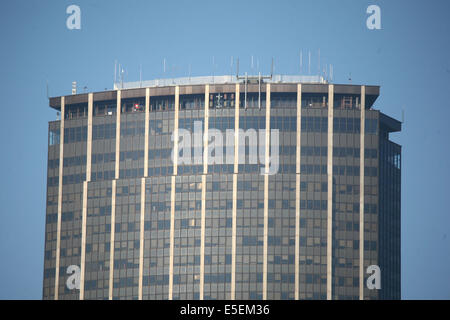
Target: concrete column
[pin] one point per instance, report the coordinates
(85, 195)
(60, 184)
(113, 196)
(203, 211)
(111, 246)
(172, 191)
(330, 193)
(361, 193)
(234, 194)
(141, 239)
(266, 191)
(297, 191)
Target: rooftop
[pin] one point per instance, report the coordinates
(313, 84)
(229, 79)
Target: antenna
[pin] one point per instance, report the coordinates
(115, 71)
(309, 62)
(331, 72)
(120, 74)
(252, 79)
(350, 78)
(251, 68)
(121, 77)
(271, 69)
(245, 96)
(259, 90)
(231, 66)
(214, 63)
(319, 61)
(301, 61)
(140, 75)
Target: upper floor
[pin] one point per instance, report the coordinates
(284, 92)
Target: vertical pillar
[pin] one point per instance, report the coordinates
(203, 211)
(330, 193)
(266, 191)
(361, 193)
(85, 194)
(234, 193)
(89, 136)
(119, 110)
(111, 245)
(60, 183)
(172, 191)
(147, 120)
(141, 239)
(297, 191)
(142, 218)
(113, 197)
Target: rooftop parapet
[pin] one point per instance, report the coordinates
(216, 80)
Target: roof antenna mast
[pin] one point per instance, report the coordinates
(271, 70)
(331, 72)
(309, 62)
(164, 67)
(301, 61)
(231, 66)
(319, 61)
(115, 71)
(252, 67)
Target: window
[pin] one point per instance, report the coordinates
(133, 105)
(103, 108)
(193, 101)
(73, 111)
(54, 137)
(347, 101)
(314, 100)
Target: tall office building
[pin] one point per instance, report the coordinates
(143, 204)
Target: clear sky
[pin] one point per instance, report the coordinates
(408, 58)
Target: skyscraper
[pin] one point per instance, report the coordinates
(297, 201)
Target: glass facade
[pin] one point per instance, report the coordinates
(390, 216)
(313, 203)
(188, 217)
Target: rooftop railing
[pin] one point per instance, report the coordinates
(215, 80)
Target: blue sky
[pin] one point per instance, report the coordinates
(408, 58)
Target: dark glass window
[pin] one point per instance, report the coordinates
(53, 137)
(105, 108)
(314, 100)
